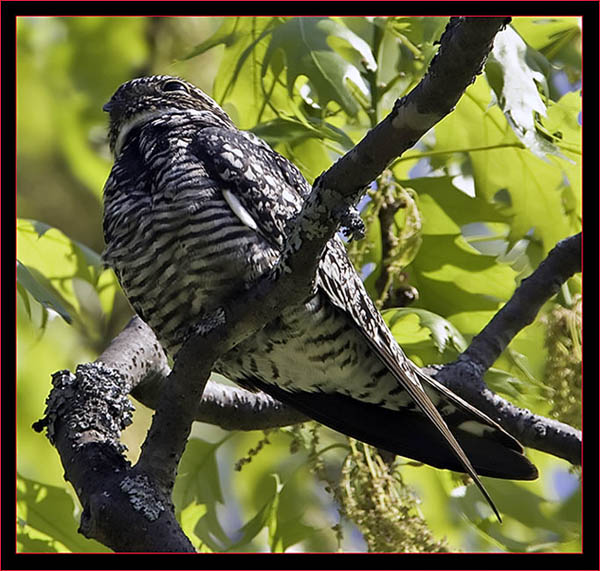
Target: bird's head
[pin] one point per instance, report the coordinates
(146, 98)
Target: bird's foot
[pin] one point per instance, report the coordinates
(353, 226)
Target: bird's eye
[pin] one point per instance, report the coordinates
(174, 85)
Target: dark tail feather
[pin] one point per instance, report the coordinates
(410, 434)
(491, 458)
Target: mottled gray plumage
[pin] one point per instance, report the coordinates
(195, 210)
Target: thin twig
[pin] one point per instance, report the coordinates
(561, 263)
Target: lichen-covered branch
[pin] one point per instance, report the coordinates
(144, 368)
(122, 508)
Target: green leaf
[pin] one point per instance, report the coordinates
(515, 83)
(32, 281)
(504, 383)
(307, 45)
(60, 273)
(442, 331)
(451, 276)
(526, 190)
(240, 85)
(45, 518)
(563, 118)
(310, 156)
(474, 124)
(189, 518)
(548, 35)
(198, 484)
(35, 239)
(107, 288)
(226, 34)
(292, 130)
(22, 291)
(471, 322)
(534, 194)
(446, 209)
(265, 517)
(290, 532)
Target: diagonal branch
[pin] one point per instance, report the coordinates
(561, 263)
(465, 375)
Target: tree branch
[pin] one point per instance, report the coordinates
(532, 430)
(122, 508)
(561, 263)
(465, 375)
(142, 363)
(135, 352)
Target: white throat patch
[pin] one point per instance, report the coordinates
(134, 122)
(145, 116)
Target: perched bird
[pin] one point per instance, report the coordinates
(195, 210)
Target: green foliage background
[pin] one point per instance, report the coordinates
(486, 194)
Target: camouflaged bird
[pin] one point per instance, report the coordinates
(195, 210)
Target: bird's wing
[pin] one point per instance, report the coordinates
(335, 268)
(262, 188)
(353, 299)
